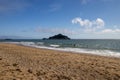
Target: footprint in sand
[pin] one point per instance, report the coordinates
(15, 64)
(0, 58)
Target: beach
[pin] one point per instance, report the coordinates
(27, 63)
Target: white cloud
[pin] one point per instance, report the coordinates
(83, 23)
(110, 31)
(89, 26)
(95, 26)
(99, 22)
(84, 2)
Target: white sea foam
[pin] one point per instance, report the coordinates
(53, 45)
(27, 43)
(77, 50)
(40, 43)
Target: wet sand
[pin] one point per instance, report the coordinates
(26, 63)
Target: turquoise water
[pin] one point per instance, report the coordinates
(101, 46)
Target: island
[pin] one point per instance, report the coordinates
(8, 39)
(58, 36)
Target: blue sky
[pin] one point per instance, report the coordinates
(79, 19)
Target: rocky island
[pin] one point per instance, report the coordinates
(58, 36)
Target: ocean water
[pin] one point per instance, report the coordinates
(104, 47)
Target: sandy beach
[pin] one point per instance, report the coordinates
(27, 63)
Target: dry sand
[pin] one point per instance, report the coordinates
(26, 63)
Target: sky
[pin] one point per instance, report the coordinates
(78, 19)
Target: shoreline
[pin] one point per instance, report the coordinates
(67, 52)
(70, 52)
(73, 52)
(17, 61)
(62, 50)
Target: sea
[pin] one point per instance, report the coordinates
(103, 47)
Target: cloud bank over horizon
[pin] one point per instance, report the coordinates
(94, 26)
(55, 30)
(89, 26)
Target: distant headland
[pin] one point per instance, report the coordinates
(58, 36)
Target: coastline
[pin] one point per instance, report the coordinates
(99, 52)
(70, 52)
(32, 63)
